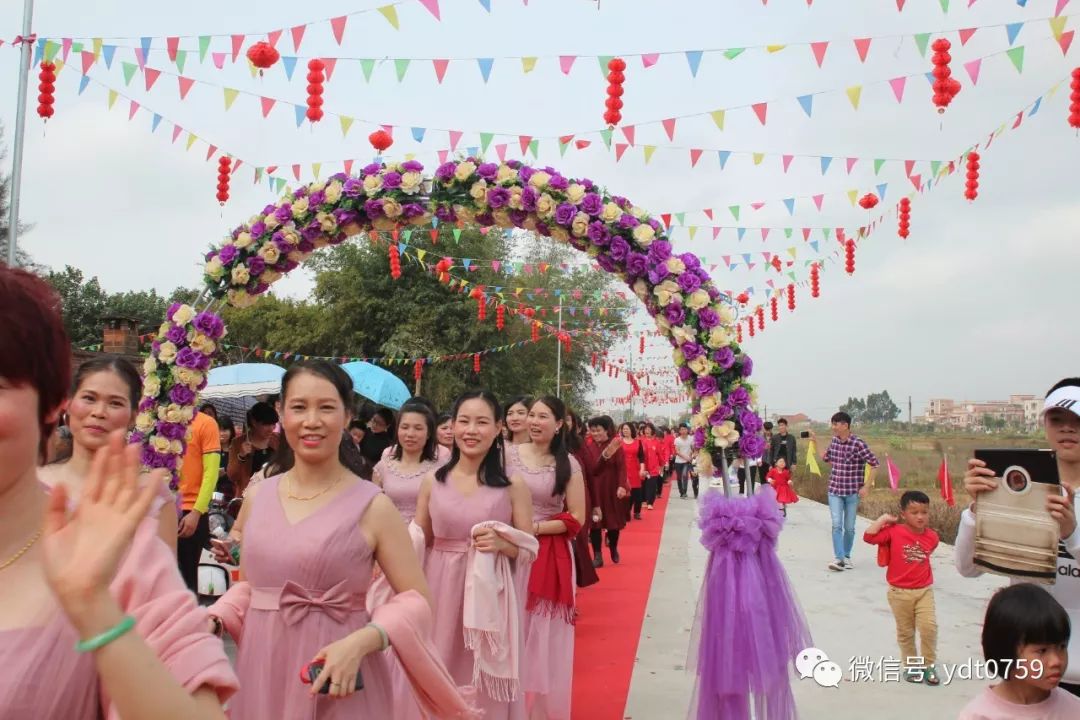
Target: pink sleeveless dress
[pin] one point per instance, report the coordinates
(453, 516)
(403, 488)
(308, 582)
(549, 642)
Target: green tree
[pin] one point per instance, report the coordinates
(83, 304)
(21, 256)
(855, 407)
(880, 408)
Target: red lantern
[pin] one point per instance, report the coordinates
(774, 308)
(476, 362)
(904, 216)
(849, 257)
(760, 317)
(263, 55)
(1074, 99)
(535, 331)
(315, 80)
(46, 88)
(528, 312)
(418, 369)
(641, 345)
(791, 297)
(481, 303)
(945, 86)
(500, 316)
(395, 262)
(742, 298)
(971, 188)
(442, 270)
(738, 333)
(224, 169)
(380, 140)
(613, 105)
(777, 264)
(868, 201)
(815, 281)
(750, 327)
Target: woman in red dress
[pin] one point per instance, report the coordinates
(634, 460)
(652, 448)
(604, 464)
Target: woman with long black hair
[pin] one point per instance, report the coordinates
(517, 416)
(606, 464)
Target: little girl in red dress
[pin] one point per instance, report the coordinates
(780, 478)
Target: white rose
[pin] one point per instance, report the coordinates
(539, 180)
(639, 213)
(611, 212)
(372, 184)
(465, 170)
(183, 315)
(682, 333)
(698, 299)
(149, 365)
(166, 353)
(644, 234)
(411, 182)
(718, 338)
(676, 266)
(575, 194)
(665, 291)
(333, 192)
(214, 268)
(727, 315)
(160, 444)
(300, 208)
(151, 386)
(144, 422)
(242, 240)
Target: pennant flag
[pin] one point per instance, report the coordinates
(718, 118)
(669, 128)
(789, 203)
(695, 155)
(897, 85)
(966, 34)
(83, 82)
(566, 62)
(150, 76)
(1066, 41)
(129, 72)
(1016, 54)
(390, 13)
(230, 96)
(693, 58)
(185, 85)
(724, 155)
(734, 209)
(760, 109)
(1057, 26)
(620, 148)
(811, 459)
(432, 7)
(301, 113)
(825, 162)
(732, 53)
(972, 67)
(485, 67)
(237, 44)
(853, 196)
(851, 163)
(1060, 6)
(786, 161)
(862, 46)
(528, 64)
(881, 191)
(190, 141)
(486, 4)
(854, 93)
(807, 103)
(144, 46)
(455, 138)
(268, 105)
(218, 59)
(134, 108)
(819, 49)
(649, 150)
(817, 201)
(758, 157)
(204, 46)
(401, 65)
(181, 59)
(176, 132)
(1012, 30)
(107, 52)
(440, 67)
(945, 482)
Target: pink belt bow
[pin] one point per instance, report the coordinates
(295, 602)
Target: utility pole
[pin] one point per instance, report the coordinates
(908, 409)
(20, 131)
(558, 355)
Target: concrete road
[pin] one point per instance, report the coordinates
(848, 615)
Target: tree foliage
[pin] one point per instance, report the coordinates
(876, 408)
(22, 258)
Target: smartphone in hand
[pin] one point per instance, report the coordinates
(226, 548)
(311, 672)
(804, 434)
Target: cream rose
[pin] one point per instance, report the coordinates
(333, 192)
(641, 288)
(718, 338)
(703, 465)
(391, 208)
(149, 365)
(372, 184)
(502, 218)
(698, 299)
(176, 448)
(639, 213)
(411, 182)
(515, 199)
(242, 240)
(300, 207)
(530, 223)
(465, 170)
(240, 298)
(575, 194)
(539, 180)
(560, 234)
(295, 256)
(160, 444)
(152, 385)
(326, 222)
(662, 322)
(191, 378)
(505, 174)
(709, 405)
(465, 214)
(240, 275)
(545, 207)
(384, 224)
(203, 344)
(699, 421)
(167, 352)
(271, 276)
(682, 333)
(678, 358)
(701, 366)
(270, 254)
(144, 422)
(611, 212)
(183, 315)
(676, 266)
(320, 242)
(580, 226)
(644, 234)
(271, 222)
(727, 315)
(187, 414)
(291, 236)
(665, 291)
(478, 192)
(214, 269)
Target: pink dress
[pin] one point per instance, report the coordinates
(403, 488)
(549, 642)
(453, 516)
(308, 581)
(60, 684)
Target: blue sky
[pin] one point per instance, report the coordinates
(976, 303)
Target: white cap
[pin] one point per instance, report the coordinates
(1066, 397)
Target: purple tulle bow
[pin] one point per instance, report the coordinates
(749, 626)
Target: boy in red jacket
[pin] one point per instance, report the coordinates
(906, 543)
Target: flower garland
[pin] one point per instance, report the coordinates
(174, 373)
(622, 238)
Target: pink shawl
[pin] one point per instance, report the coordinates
(380, 592)
(494, 603)
(232, 607)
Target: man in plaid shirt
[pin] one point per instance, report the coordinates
(847, 455)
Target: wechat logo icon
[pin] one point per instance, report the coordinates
(814, 663)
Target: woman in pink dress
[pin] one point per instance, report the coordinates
(98, 576)
(470, 489)
(408, 461)
(517, 416)
(555, 482)
(104, 397)
(310, 536)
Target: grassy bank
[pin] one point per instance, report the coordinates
(918, 456)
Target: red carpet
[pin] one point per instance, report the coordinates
(610, 617)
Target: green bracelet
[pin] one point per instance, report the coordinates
(99, 641)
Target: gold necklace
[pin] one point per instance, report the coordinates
(288, 479)
(29, 544)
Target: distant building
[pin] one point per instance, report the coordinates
(120, 336)
(1019, 411)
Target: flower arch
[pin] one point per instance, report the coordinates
(623, 239)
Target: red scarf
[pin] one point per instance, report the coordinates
(551, 582)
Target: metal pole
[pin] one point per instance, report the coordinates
(20, 132)
(558, 355)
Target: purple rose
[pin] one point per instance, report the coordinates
(269, 209)
(688, 282)
(344, 217)
(620, 249)
(690, 260)
(586, 183)
(176, 335)
(445, 171)
(188, 358)
(305, 245)
(518, 217)
(392, 180)
(739, 397)
(691, 350)
(172, 310)
(564, 213)
(445, 213)
(256, 265)
(598, 233)
(488, 171)
(708, 318)
(606, 262)
(412, 210)
(339, 176)
(706, 385)
(209, 324)
(751, 446)
(372, 169)
(628, 222)
(750, 422)
(592, 204)
(636, 264)
(720, 415)
(282, 244)
(485, 218)
(258, 229)
(284, 213)
(353, 187)
(146, 403)
(312, 231)
(675, 314)
(260, 288)
(543, 229)
(513, 164)
(373, 208)
(412, 166)
(714, 293)
(685, 374)
(699, 438)
(301, 192)
(657, 274)
(228, 254)
(620, 201)
(747, 366)
(558, 182)
(181, 395)
(529, 196)
(660, 251)
(317, 198)
(525, 172)
(498, 197)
